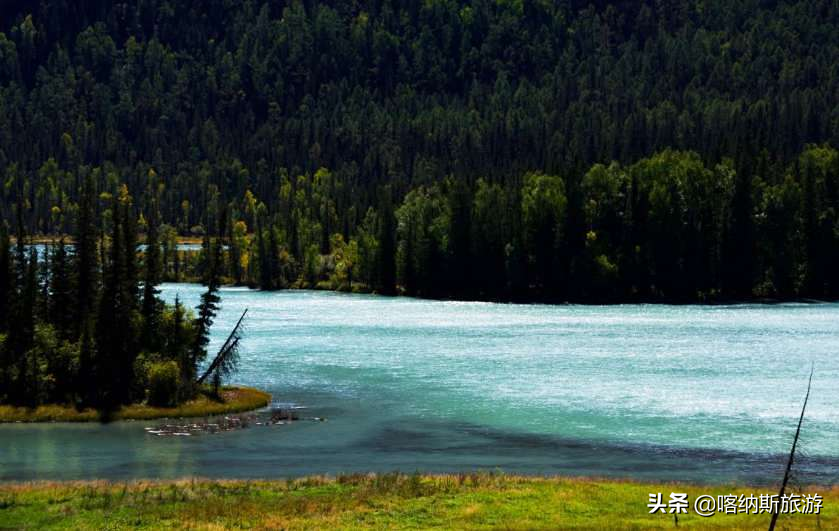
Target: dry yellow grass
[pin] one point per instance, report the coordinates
(234, 399)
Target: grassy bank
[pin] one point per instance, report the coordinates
(389, 501)
(233, 400)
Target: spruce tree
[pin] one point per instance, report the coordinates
(6, 284)
(234, 254)
(459, 239)
(273, 258)
(29, 360)
(22, 319)
(178, 350)
(129, 298)
(739, 244)
(387, 246)
(151, 279)
(86, 382)
(61, 295)
(86, 257)
(130, 281)
(206, 310)
(108, 343)
(266, 282)
(116, 346)
(8, 302)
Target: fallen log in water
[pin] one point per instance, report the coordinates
(227, 423)
(285, 411)
(277, 416)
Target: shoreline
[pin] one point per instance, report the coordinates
(529, 302)
(361, 501)
(237, 399)
(361, 289)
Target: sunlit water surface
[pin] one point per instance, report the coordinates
(702, 393)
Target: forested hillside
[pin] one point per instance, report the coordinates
(502, 149)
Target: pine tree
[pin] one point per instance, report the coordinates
(273, 258)
(86, 257)
(22, 320)
(130, 282)
(151, 305)
(6, 284)
(106, 381)
(178, 350)
(61, 297)
(206, 311)
(29, 361)
(739, 245)
(266, 281)
(812, 281)
(8, 302)
(86, 383)
(234, 254)
(459, 239)
(387, 246)
(116, 347)
(129, 299)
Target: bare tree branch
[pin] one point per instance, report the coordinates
(791, 455)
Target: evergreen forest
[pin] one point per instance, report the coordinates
(523, 150)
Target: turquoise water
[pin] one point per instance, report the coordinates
(41, 248)
(702, 393)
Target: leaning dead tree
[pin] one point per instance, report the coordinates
(791, 459)
(227, 360)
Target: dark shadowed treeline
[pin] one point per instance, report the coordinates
(441, 148)
(668, 227)
(75, 327)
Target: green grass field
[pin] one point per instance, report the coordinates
(483, 501)
(234, 400)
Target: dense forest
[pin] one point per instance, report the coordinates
(498, 149)
(85, 325)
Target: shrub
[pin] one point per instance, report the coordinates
(163, 383)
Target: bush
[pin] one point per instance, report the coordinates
(163, 383)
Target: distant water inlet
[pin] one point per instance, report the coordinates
(702, 393)
(43, 248)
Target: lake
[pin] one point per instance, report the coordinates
(699, 393)
(42, 248)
